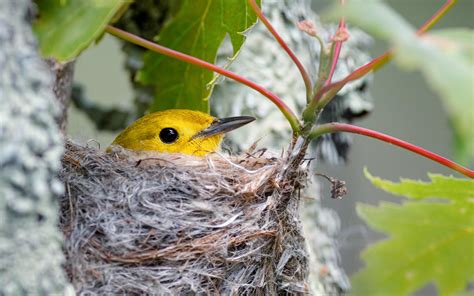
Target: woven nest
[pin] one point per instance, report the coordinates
(180, 225)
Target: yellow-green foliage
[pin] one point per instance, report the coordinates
(65, 28)
(430, 238)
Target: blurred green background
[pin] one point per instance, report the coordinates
(404, 107)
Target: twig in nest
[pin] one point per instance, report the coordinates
(93, 141)
(69, 159)
(151, 158)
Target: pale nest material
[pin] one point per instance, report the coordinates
(179, 225)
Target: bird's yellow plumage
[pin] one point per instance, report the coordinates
(178, 131)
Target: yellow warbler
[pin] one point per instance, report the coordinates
(178, 131)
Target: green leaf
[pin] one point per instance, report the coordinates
(65, 28)
(428, 241)
(447, 71)
(198, 29)
(440, 187)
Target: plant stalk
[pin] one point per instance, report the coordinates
(337, 51)
(318, 102)
(287, 112)
(349, 128)
(428, 24)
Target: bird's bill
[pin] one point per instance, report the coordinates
(224, 125)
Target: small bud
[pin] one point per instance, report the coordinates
(338, 187)
(308, 27)
(342, 34)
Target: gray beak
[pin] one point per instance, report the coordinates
(224, 125)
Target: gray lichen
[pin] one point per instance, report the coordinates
(31, 148)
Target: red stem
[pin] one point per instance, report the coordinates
(358, 73)
(290, 116)
(349, 128)
(384, 58)
(326, 93)
(337, 51)
(271, 29)
(436, 16)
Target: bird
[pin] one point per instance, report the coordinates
(178, 131)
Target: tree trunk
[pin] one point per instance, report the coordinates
(31, 148)
(62, 88)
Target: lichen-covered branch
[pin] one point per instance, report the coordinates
(31, 147)
(63, 79)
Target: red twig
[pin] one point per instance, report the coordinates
(358, 73)
(436, 16)
(290, 116)
(304, 74)
(326, 93)
(349, 128)
(337, 51)
(382, 59)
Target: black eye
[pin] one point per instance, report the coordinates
(168, 135)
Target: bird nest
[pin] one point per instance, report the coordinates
(173, 224)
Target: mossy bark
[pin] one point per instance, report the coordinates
(30, 152)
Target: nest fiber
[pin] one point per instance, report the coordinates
(179, 225)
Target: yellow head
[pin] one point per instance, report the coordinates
(178, 131)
